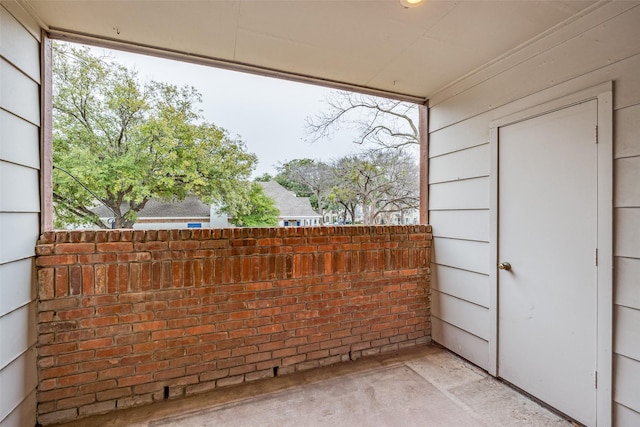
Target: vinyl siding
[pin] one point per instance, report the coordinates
(19, 215)
(595, 49)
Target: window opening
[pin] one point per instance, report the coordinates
(156, 143)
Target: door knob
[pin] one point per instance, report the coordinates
(504, 266)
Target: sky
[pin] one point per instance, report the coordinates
(267, 114)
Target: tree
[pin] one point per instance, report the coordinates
(128, 142)
(381, 182)
(265, 177)
(307, 178)
(262, 210)
(380, 123)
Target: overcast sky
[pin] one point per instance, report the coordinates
(267, 114)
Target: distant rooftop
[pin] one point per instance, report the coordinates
(287, 202)
(190, 207)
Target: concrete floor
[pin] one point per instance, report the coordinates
(428, 386)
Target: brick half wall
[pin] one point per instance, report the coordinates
(129, 317)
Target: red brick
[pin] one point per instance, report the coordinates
(182, 245)
(77, 379)
(169, 374)
(55, 260)
(97, 386)
(99, 321)
(46, 283)
(116, 372)
(135, 380)
(146, 346)
(57, 349)
(74, 248)
(270, 329)
(149, 326)
(151, 367)
(115, 247)
(113, 351)
(171, 332)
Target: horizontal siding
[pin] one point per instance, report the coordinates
(627, 340)
(623, 72)
(17, 91)
(624, 416)
(627, 178)
(464, 164)
(558, 64)
(24, 414)
(463, 254)
(14, 198)
(11, 296)
(627, 232)
(463, 314)
(465, 194)
(460, 118)
(467, 285)
(21, 373)
(469, 133)
(627, 282)
(18, 46)
(14, 321)
(27, 22)
(594, 15)
(19, 212)
(461, 342)
(625, 122)
(626, 381)
(21, 231)
(19, 141)
(464, 224)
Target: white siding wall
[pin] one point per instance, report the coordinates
(19, 215)
(601, 46)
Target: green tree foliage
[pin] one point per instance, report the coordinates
(265, 177)
(263, 211)
(129, 142)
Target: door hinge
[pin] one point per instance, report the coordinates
(595, 379)
(596, 135)
(596, 257)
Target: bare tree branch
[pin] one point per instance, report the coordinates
(379, 123)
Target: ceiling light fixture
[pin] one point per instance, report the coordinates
(411, 3)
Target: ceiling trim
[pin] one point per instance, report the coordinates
(65, 35)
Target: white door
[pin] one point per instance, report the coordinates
(547, 225)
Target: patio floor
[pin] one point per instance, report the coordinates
(428, 386)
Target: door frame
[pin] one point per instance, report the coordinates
(528, 108)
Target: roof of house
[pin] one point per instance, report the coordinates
(287, 202)
(190, 207)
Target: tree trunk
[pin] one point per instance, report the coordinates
(121, 222)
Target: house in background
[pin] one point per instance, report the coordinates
(530, 116)
(158, 214)
(294, 211)
(192, 213)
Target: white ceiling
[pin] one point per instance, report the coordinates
(375, 44)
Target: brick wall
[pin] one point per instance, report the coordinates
(130, 317)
